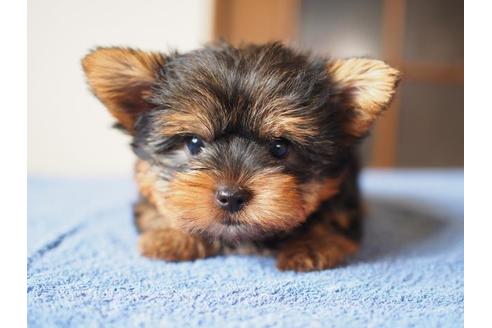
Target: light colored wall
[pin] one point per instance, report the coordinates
(69, 131)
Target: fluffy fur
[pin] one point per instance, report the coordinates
(239, 103)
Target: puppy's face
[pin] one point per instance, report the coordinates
(239, 143)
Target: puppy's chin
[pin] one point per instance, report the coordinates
(232, 231)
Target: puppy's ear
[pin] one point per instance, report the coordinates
(122, 78)
(365, 87)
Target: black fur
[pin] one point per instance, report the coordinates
(227, 82)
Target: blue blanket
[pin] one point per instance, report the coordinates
(84, 269)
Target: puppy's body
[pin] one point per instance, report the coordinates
(246, 148)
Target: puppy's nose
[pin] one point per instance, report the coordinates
(232, 199)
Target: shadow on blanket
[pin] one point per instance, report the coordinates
(394, 226)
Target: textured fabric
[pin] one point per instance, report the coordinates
(84, 269)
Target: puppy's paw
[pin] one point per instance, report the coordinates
(303, 257)
(173, 245)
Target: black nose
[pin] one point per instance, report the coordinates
(232, 199)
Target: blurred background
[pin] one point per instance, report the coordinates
(69, 130)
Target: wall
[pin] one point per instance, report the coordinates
(69, 131)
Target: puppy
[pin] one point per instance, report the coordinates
(248, 149)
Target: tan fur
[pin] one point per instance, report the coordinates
(280, 118)
(146, 180)
(174, 245)
(368, 84)
(190, 201)
(314, 193)
(342, 219)
(186, 208)
(276, 120)
(147, 217)
(121, 79)
(318, 249)
(276, 205)
(187, 123)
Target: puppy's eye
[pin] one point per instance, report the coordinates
(194, 144)
(279, 148)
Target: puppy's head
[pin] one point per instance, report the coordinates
(239, 143)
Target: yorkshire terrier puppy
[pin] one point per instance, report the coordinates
(247, 149)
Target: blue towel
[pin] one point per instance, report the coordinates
(84, 269)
